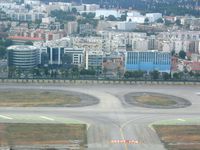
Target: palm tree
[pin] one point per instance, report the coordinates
(18, 73)
(105, 70)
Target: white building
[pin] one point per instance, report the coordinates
(32, 2)
(77, 55)
(179, 40)
(105, 13)
(58, 6)
(117, 40)
(88, 43)
(136, 19)
(94, 60)
(139, 44)
(133, 14)
(91, 7)
(126, 26)
(153, 16)
(72, 27)
(48, 20)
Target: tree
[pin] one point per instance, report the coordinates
(2, 52)
(165, 76)
(11, 71)
(182, 54)
(36, 72)
(105, 70)
(84, 14)
(46, 71)
(176, 75)
(173, 52)
(3, 45)
(134, 74)
(67, 60)
(168, 23)
(18, 73)
(75, 71)
(146, 21)
(87, 72)
(178, 22)
(160, 20)
(111, 18)
(123, 17)
(154, 74)
(63, 15)
(90, 15)
(8, 42)
(127, 74)
(191, 73)
(101, 17)
(197, 75)
(74, 11)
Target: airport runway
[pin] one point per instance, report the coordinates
(112, 120)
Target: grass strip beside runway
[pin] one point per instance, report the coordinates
(28, 98)
(42, 134)
(155, 100)
(179, 137)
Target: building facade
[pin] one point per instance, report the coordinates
(77, 55)
(148, 61)
(23, 57)
(55, 55)
(94, 60)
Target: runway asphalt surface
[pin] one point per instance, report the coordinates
(111, 120)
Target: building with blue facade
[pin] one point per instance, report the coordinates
(148, 61)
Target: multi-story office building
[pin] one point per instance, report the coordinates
(23, 57)
(77, 55)
(94, 60)
(55, 55)
(148, 61)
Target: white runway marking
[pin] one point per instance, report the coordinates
(6, 117)
(181, 120)
(47, 118)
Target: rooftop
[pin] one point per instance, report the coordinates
(21, 47)
(24, 38)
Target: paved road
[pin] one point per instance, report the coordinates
(112, 119)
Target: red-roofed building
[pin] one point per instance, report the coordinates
(22, 35)
(23, 39)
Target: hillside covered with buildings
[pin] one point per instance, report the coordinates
(88, 40)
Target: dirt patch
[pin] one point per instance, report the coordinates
(155, 100)
(179, 137)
